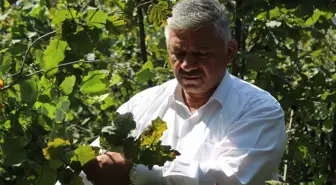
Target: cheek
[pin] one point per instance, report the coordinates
(174, 64)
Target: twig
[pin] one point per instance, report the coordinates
(70, 11)
(24, 60)
(27, 51)
(67, 64)
(142, 4)
(86, 5)
(60, 65)
(40, 71)
(289, 127)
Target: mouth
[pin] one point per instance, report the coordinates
(190, 77)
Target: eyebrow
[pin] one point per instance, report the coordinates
(202, 48)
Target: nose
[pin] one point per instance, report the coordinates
(189, 63)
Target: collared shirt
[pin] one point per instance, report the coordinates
(237, 137)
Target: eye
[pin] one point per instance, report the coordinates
(201, 54)
(178, 55)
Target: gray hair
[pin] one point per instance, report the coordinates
(190, 14)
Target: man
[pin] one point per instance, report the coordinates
(227, 130)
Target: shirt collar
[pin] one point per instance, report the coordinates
(223, 88)
(220, 94)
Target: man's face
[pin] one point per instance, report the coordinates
(198, 58)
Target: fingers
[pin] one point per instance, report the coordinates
(106, 168)
(91, 169)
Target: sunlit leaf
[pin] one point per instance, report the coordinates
(55, 149)
(153, 133)
(96, 18)
(68, 84)
(53, 55)
(83, 154)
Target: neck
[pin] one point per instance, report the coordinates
(195, 100)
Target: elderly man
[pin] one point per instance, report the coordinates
(227, 130)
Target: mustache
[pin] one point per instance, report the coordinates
(190, 73)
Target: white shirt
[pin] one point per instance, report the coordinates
(237, 137)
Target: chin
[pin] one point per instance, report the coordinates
(191, 88)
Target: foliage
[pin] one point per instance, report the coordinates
(66, 66)
(146, 149)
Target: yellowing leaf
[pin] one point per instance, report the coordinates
(83, 154)
(153, 134)
(159, 13)
(55, 149)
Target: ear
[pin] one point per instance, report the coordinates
(232, 49)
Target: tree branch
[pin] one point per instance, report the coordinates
(142, 4)
(25, 59)
(142, 36)
(86, 5)
(40, 71)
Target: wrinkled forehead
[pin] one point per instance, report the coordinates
(202, 37)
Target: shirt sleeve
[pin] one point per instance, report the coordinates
(250, 152)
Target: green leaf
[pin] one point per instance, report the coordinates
(94, 83)
(62, 108)
(67, 84)
(48, 110)
(76, 180)
(47, 176)
(144, 76)
(28, 90)
(83, 154)
(55, 163)
(53, 55)
(35, 12)
(12, 151)
(5, 60)
(38, 56)
(255, 62)
(328, 124)
(304, 151)
(115, 24)
(159, 13)
(96, 18)
(328, 96)
(147, 65)
(120, 129)
(108, 102)
(314, 18)
(274, 13)
(153, 134)
(59, 15)
(116, 80)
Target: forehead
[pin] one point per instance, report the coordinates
(203, 37)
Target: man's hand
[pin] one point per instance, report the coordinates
(109, 168)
